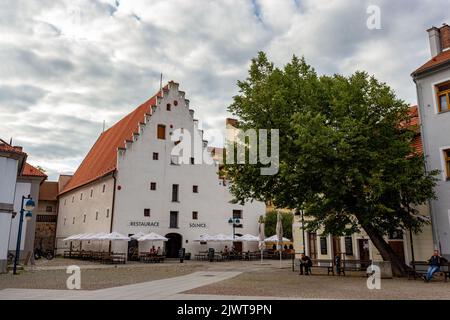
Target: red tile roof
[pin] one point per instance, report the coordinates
(438, 60)
(102, 158)
(4, 146)
(415, 121)
(30, 171)
(48, 191)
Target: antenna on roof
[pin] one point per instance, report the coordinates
(160, 83)
(10, 141)
(103, 126)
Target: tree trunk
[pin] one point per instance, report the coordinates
(399, 268)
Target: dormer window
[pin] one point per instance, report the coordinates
(443, 96)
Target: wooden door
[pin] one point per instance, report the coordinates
(398, 248)
(237, 246)
(312, 245)
(336, 245)
(363, 245)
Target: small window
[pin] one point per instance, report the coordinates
(92, 193)
(96, 215)
(323, 245)
(175, 189)
(237, 214)
(152, 185)
(65, 201)
(73, 220)
(173, 219)
(65, 221)
(168, 107)
(349, 246)
(84, 218)
(73, 198)
(155, 155)
(447, 163)
(146, 212)
(107, 213)
(194, 215)
(48, 209)
(104, 188)
(161, 134)
(192, 160)
(175, 103)
(195, 189)
(443, 96)
(81, 196)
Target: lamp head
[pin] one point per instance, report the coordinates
(230, 221)
(29, 205)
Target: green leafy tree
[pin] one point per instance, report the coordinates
(271, 223)
(345, 157)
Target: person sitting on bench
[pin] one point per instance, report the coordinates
(305, 263)
(435, 263)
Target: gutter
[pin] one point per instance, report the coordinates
(112, 206)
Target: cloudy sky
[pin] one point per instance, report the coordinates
(66, 66)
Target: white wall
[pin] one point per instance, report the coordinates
(136, 170)
(100, 202)
(22, 189)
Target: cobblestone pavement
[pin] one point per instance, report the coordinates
(249, 280)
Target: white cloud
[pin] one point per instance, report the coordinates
(71, 64)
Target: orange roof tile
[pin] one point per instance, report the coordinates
(102, 158)
(30, 171)
(48, 191)
(440, 59)
(415, 121)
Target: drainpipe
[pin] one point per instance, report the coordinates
(112, 206)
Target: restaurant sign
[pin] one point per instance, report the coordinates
(144, 224)
(197, 225)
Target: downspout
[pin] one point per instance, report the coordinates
(112, 206)
(434, 227)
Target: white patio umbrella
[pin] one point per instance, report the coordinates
(247, 237)
(274, 238)
(97, 237)
(152, 237)
(261, 235)
(279, 231)
(138, 235)
(222, 238)
(73, 237)
(115, 236)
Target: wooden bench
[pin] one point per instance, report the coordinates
(420, 268)
(354, 265)
(318, 263)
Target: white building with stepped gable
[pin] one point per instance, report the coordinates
(129, 182)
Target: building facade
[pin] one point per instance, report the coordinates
(132, 180)
(433, 95)
(46, 216)
(408, 246)
(12, 161)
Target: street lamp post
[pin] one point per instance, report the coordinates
(234, 222)
(28, 207)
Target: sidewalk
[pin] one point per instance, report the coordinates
(158, 289)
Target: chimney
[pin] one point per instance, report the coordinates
(435, 41)
(445, 37)
(231, 122)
